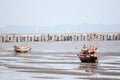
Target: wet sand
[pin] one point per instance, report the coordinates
(54, 64)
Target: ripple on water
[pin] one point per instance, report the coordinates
(53, 63)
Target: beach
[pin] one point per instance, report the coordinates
(59, 61)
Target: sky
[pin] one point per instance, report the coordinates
(49, 13)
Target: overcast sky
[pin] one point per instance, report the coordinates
(59, 12)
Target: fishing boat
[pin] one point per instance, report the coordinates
(88, 55)
(22, 49)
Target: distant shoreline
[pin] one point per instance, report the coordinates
(60, 37)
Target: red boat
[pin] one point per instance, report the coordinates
(88, 55)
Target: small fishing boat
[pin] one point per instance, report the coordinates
(22, 49)
(88, 55)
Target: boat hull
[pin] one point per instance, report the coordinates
(88, 58)
(21, 49)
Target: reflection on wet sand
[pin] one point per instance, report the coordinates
(22, 54)
(46, 65)
(89, 67)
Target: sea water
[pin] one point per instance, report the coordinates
(58, 60)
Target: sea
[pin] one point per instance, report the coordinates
(59, 61)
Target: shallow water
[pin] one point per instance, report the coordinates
(58, 60)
